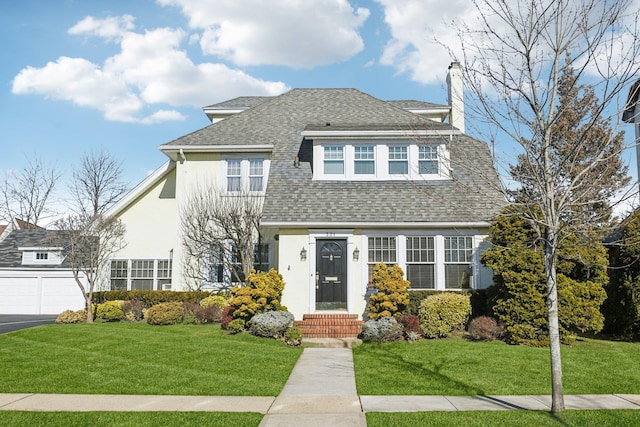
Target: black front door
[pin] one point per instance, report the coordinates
(331, 275)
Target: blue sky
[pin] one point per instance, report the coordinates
(55, 90)
(125, 76)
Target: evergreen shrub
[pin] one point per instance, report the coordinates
(261, 293)
(219, 300)
(272, 324)
(441, 314)
(293, 336)
(70, 316)
(149, 297)
(383, 329)
(236, 326)
(110, 311)
(165, 313)
(392, 297)
(226, 317)
(133, 310)
(485, 328)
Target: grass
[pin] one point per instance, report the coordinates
(617, 418)
(125, 358)
(457, 367)
(137, 419)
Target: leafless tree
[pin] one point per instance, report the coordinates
(26, 193)
(89, 242)
(97, 183)
(512, 57)
(220, 229)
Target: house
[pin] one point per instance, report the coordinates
(346, 181)
(34, 278)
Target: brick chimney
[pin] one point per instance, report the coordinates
(456, 97)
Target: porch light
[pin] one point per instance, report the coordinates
(303, 254)
(356, 254)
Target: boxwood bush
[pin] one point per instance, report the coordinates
(70, 316)
(441, 314)
(110, 311)
(165, 313)
(150, 298)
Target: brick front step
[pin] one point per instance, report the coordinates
(330, 325)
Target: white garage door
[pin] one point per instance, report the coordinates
(50, 293)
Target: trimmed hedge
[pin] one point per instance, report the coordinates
(441, 314)
(110, 311)
(165, 313)
(150, 298)
(479, 304)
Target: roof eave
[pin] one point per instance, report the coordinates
(389, 225)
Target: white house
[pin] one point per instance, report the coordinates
(347, 181)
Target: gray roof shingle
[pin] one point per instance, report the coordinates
(292, 195)
(11, 256)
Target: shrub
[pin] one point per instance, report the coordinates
(293, 336)
(133, 310)
(226, 317)
(518, 295)
(479, 304)
(272, 324)
(384, 329)
(189, 316)
(70, 316)
(260, 294)
(218, 300)
(485, 328)
(410, 325)
(236, 326)
(150, 298)
(441, 314)
(166, 313)
(110, 311)
(392, 296)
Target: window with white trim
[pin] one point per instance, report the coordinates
(364, 162)
(398, 160)
(130, 274)
(427, 159)
(245, 175)
(381, 250)
(458, 262)
(420, 262)
(217, 273)
(334, 160)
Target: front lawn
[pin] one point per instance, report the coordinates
(617, 418)
(457, 367)
(125, 358)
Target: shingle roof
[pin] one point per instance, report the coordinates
(240, 102)
(292, 195)
(10, 256)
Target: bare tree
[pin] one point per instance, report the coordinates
(512, 56)
(97, 183)
(26, 194)
(220, 229)
(88, 244)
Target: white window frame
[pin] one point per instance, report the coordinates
(381, 159)
(246, 174)
(425, 255)
(161, 271)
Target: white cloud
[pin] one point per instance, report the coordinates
(293, 33)
(111, 28)
(150, 70)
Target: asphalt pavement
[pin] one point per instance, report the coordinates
(15, 322)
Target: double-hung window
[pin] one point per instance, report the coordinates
(245, 175)
(334, 160)
(427, 159)
(364, 160)
(398, 160)
(381, 249)
(234, 175)
(142, 274)
(458, 259)
(139, 274)
(421, 262)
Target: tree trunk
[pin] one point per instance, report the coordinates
(550, 258)
(89, 307)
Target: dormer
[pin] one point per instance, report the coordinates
(41, 255)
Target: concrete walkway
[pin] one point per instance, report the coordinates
(321, 391)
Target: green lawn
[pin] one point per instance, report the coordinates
(125, 358)
(618, 418)
(133, 419)
(458, 367)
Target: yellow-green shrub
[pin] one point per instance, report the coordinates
(110, 311)
(262, 292)
(442, 314)
(165, 313)
(218, 300)
(70, 316)
(392, 296)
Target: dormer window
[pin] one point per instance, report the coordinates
(334, 160)
(428, 159)
(42, 256)
(364, 160)
(398, 160)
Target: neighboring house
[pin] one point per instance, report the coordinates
(348, 181)
(34, 278)
(631, 114)
(16, 224)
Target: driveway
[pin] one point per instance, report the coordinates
(14, 322)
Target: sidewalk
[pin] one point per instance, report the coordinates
(321, 391)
